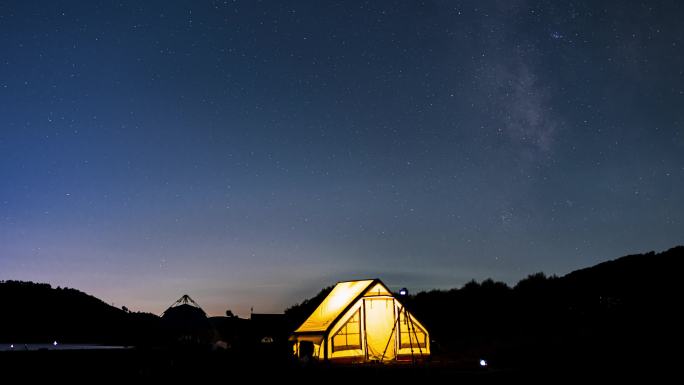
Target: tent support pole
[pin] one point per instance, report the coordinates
(412, 326)
(408, 326)
(391, 334)
(365, 335)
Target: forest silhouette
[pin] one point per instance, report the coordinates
(616, 314)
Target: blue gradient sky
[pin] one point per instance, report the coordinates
(249, 153)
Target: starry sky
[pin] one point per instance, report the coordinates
(249, 153)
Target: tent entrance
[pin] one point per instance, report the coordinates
(379, 328)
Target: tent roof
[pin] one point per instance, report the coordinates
(339, 299)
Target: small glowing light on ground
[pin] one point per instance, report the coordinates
(483, 363)
(12, 346)
(54, 343)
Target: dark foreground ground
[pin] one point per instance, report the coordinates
(187, 365)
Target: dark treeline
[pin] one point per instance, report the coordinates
(619, 311)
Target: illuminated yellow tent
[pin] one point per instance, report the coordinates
(361, 321)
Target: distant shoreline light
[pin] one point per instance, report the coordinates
(59, 346)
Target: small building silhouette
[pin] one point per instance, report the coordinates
(269, 328)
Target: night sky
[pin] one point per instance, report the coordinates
(249, 153)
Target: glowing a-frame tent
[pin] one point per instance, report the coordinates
(361, 321)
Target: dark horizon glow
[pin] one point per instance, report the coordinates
(250, 153)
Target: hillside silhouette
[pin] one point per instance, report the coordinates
(39, 313)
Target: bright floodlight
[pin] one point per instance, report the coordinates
(12, 346)
(403, 292)
(54, 343)
(483, 363)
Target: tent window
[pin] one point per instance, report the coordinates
(349, 335)
(410, 334)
